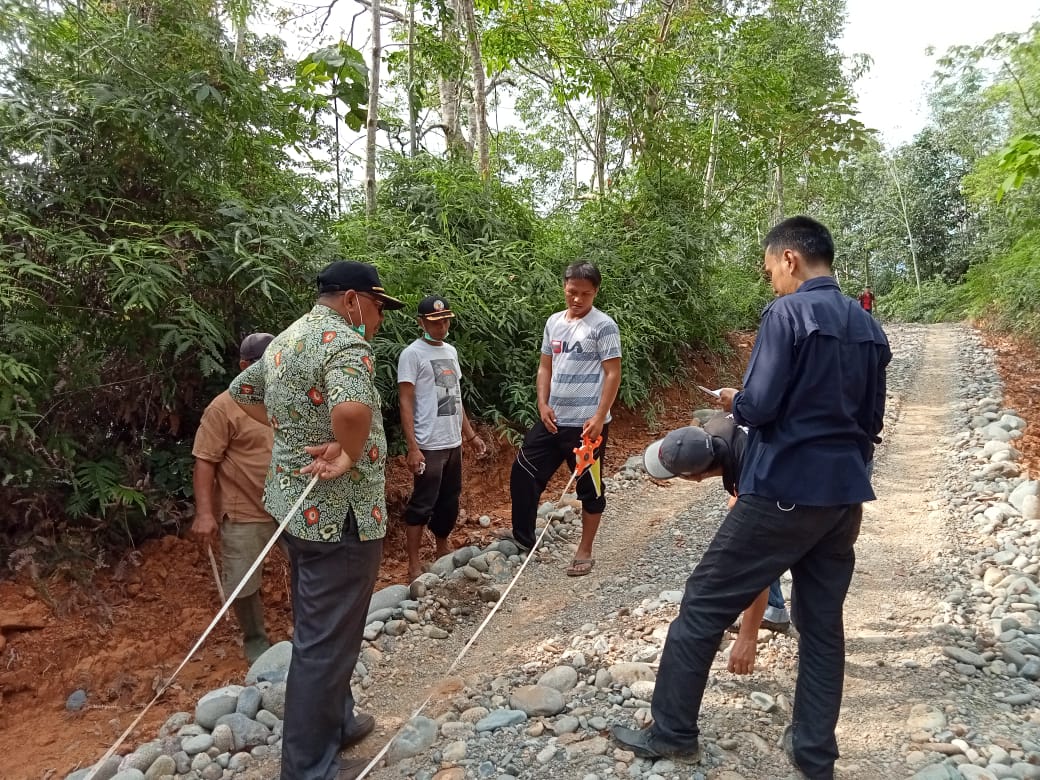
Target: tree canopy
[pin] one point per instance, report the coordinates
(173, 178)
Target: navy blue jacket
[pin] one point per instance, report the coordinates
(813, 398)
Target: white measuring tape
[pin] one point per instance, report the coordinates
(454, 664)
(234, 594)
(223, 610)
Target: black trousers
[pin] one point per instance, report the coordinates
(435, 492)
(536, 462)
(755, 544)
(332, 585)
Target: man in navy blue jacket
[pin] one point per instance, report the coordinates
(814, 402)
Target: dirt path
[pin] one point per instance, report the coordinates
(892, 599)
(653, 536)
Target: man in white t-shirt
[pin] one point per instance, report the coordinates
(435, 425)
(578, 378)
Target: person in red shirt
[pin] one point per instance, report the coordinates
(866, 300)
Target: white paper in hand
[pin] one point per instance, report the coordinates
(712, 393)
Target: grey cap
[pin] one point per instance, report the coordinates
(253, 346)
(682, 452)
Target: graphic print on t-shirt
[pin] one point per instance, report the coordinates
(447, 383)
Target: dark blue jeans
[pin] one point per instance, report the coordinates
(776, 596)
(332, 585)
(755, 544)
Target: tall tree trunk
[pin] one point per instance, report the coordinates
(905, 214)
(371, 124)
(450, 90)
(713, 153)
(778, 182)
(601, 145)
(413, 108)
(480, 129)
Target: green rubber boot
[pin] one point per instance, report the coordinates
(250, 613)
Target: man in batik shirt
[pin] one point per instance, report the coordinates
(316, 388)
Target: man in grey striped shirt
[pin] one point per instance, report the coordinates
(578, 378)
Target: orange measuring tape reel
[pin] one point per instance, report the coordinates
(585, 459)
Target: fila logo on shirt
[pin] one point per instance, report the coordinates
(563, 347)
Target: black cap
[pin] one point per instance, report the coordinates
(253, 346)
(682, 452)
(435, 307)
(343, 275)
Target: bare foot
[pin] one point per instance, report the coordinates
(443, 548)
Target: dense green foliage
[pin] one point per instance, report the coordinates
(150, 215)
(172, 181)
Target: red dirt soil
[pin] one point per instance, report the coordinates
(119, 638)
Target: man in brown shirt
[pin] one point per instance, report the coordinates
(232, 453)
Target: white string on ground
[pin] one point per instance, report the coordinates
(223, 610)
(458, 658)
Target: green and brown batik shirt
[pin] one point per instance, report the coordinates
(317, 362)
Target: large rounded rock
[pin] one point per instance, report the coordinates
(215, 704)
(536, 700)
(245, 732)
(389, 597)
(629, 672)
(249, 702)
(142, 758)
(499, 719)
(273, 699)
(417, 735)
(106, 770)
(273, 665)
(562, 678)
(161, 767)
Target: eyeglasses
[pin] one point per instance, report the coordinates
(380, 305)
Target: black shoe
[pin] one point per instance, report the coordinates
(360, 727)
(787, 743)
(646, 744)
(778, 627)
(350, 768)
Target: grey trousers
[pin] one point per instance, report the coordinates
(332, 584)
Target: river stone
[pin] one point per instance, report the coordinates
(142, 758)
(628, 672)
(249, 702)
(129, 774)
(245, 732)
(174, 723)
(1026, 488)
(500, 719)
(963, 656)
(536, 700)
(273, 665)
(924, 717)
(388, 597)
(972, 772)
(216, 704)
(163, 765)
(416, 736)
(198, 744)
(933, 772)
(443, 566)
(223, 739)
(565, 724)
(106, 770)
(1031, 507)
(77, 700)
(273, 699)
(463, 556)
(562, 678)
(1031, 669)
